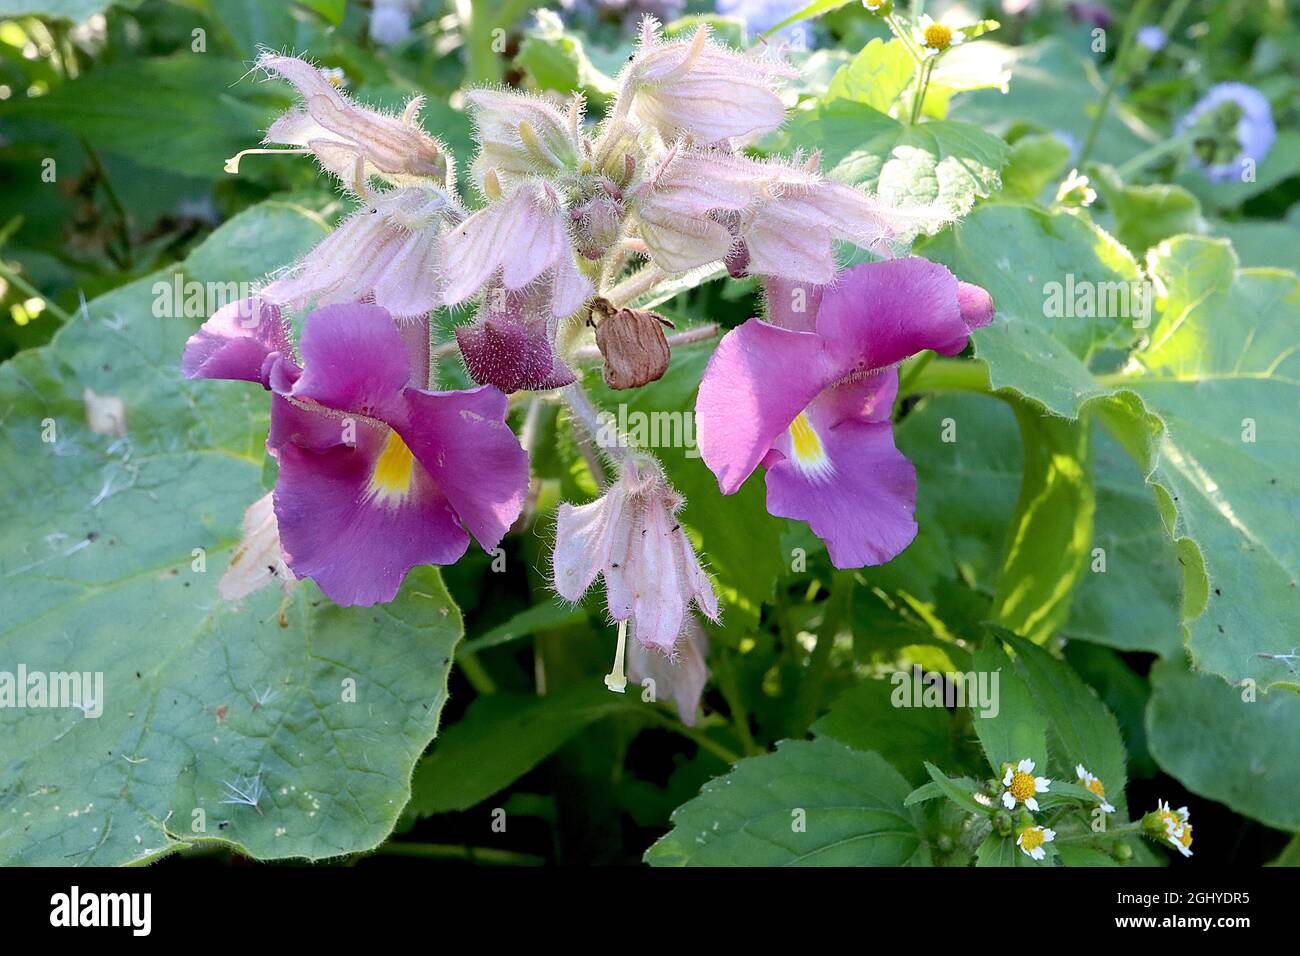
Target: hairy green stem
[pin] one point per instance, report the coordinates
(1159, 151)
(726, 675)
(908, 375)
(922, 83)
(476, 673)
(15, 279)
(835, 619)
(1117, 70)
(699, 737)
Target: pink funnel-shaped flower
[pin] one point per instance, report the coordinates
(811, 402)
(342, 134)
(632, 538)
(389, 253)
(699, 89)
(377, 474)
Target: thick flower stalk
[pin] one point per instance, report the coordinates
(808, 394)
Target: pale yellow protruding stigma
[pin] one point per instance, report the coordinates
(616, 680)
(232, 164)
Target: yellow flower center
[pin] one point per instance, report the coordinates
(806, 444)
(938, 36)
(1031, 838)
(391, 481)
(1022, 786)
(1095, 786)
(1186, 837)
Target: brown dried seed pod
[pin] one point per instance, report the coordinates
(633, 344)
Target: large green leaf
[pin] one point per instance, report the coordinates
(1147, 214)
(1081, 729)
(147, 109)
(1018, 729)
(1206, 406)
(501, 738)
(812, 803)
(1040, 267)
(315, 713)
(968, 461)
(1049, 536)
(558, 60)
(875, 77)
(1226, 744)
(865, 718)
(1056, 90)
(1222, 372)
(945, 163)
(1128, 597)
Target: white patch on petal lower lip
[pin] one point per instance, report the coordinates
(807, 450)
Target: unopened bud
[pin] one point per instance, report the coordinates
(633, 344)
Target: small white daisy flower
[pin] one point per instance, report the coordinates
(875, 6)
(1093, 785)
(1031, 841)
(1178, 829)
(935, 36)
(1021, 785)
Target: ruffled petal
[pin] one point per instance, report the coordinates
(759, 378)
(793, 305)
(354, 360)
(681, 676)
(241, 341)
(846, 478)
(883, 312)
(584, 535)
(352, 525)
(462, 440)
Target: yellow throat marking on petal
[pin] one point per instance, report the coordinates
(1022, 786)
(394, 471)
(1031, 838)
(806, 444)
(938, 36)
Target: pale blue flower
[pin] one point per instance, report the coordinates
(1252, 136)
(1153, 38)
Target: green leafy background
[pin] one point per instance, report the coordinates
(1106, 505)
